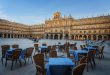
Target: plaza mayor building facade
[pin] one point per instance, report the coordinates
(59, 27)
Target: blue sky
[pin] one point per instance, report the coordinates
(37, 11)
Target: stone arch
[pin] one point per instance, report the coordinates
(56, 36)
(76, 37)
(51, 36)
(61, 36)
(89, 37)
(105, 37)
(66, 36)
(80, 37)
(94, 37)
(8, 35)
(47, 36)
(99, 37)
(72, 37)
(0, 35)
(85, 37)
(5, 35)
(108, 37)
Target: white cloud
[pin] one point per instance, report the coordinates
(4, 15)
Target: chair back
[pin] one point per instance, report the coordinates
(81, 47)
(53, 54)
(4, 49)
(48, 49)
(84, 46)
(39, 60)
(53, 48)
(15, 46)
(29, 51)
(102, 49)
(67, 51)
(16, 53)
(75, 48)
(89, 56)
(82, 60)
(39, 70)
(44, 44)
(78, 70)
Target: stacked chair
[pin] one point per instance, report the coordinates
(53, 54)
(4, 50)
(13, 57)
(28, 54)
(15, 46)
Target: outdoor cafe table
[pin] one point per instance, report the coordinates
(90, 48)
(59, 66)
(77, 52)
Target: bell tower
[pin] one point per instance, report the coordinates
(57, 15)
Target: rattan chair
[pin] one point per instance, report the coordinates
(82, 60)
(15, 46)
(4, 50)
(28, 53)
(13, 57)
(89, 59)
(53, 54)
(75, 48)
(78, 70)
(39, 60)
(39, 70)
(100, 53)
(81, 47)
(53, 48)
(84, 46)
(49, 48)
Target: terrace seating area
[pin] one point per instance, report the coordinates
(62, 59)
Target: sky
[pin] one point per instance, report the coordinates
(37, 11)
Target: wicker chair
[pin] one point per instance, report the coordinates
(75, 48)
(84, 46)
(4, 50)
(82, 60)
(15, 46)
(28, 53)
(39, 60)
(13, 57)
(100, 53)
(44, 44)
(89, 59)
(49, 48)
(39, 70)
(68, 54)
(81, 47)
(53, 54)
(53, 48)
(78, 70)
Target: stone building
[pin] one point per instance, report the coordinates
(58, 27)
(13, 30)
(37, 31)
